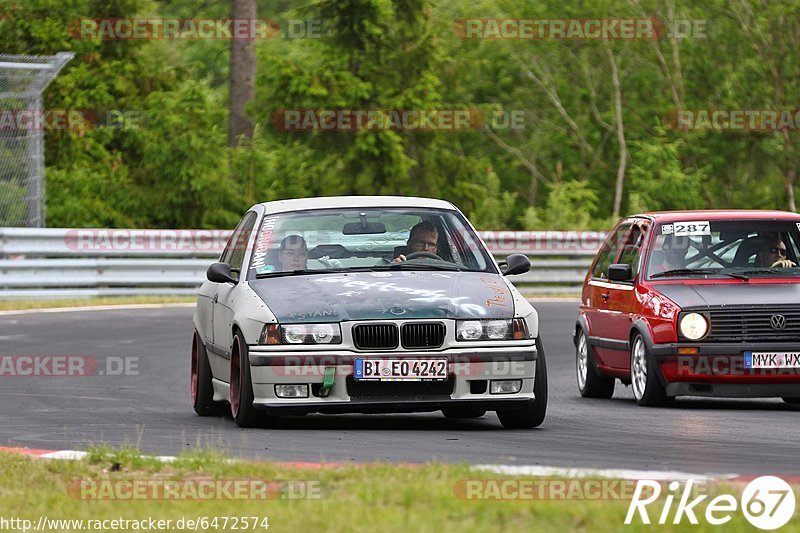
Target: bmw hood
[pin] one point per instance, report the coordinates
(723, 294)
(385, 295)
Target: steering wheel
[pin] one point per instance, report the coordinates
(426, 255)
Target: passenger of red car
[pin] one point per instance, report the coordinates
(673, 254)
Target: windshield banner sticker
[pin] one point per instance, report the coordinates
(264, 238)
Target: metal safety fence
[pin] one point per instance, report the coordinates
(22, 126)
(71, 263)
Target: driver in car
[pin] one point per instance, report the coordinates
(772, 253)
(424, 237)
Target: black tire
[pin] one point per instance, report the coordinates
(595, 385)
(200, 386)
(463, 412)
(792, 401)
(241, 384)
(647, 389)
(533, 414)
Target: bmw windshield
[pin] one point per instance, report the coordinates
(374, 239)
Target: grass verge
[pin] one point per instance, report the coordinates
(21, 305)
(373, 497)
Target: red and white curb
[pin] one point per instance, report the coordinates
(655, 475)
(73, 455)
(508, 470)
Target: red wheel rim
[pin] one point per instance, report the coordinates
(235, 378)
(195, 364)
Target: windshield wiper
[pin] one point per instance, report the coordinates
(698, 271)
(280, 274)
(376, 268)
(766, 270)
(417, 266)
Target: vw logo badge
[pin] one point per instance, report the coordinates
(778, 322)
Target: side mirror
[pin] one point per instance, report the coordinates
(620, 272)
(220, 273)
(516, 264)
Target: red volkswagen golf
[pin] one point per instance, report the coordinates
(693, 303)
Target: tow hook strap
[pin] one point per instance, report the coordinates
(327, 384)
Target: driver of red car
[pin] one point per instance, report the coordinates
(424, 237)
(772, 253)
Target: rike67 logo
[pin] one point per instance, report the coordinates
(767, 502)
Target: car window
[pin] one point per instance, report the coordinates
(233, 254)
(609, 250)
(341, 239)
(237, 253)
(725, 246)
(632, 249)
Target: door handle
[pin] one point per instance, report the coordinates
(604, 296)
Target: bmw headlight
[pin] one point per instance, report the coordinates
(693, 326)
(491, 330)
(302, 334)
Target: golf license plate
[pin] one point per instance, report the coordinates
(772, 359)
(401, 369)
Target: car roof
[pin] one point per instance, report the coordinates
(717, 214)
(323, 202)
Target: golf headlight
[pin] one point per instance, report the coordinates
(693, 326)
(491, 330)
(302, 334)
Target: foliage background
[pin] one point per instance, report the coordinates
(170, 166)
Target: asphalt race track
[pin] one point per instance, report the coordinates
(151, 410)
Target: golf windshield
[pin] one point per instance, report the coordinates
(725, 248)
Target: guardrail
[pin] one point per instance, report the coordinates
(72, 263)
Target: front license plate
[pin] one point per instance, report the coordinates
(401, 369)
(772, 359)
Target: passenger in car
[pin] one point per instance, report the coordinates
(293, 253)
(772, 253)
(673, 254)
(424, 237)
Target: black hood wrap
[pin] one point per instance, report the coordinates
(385, 295)
(734, 294)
